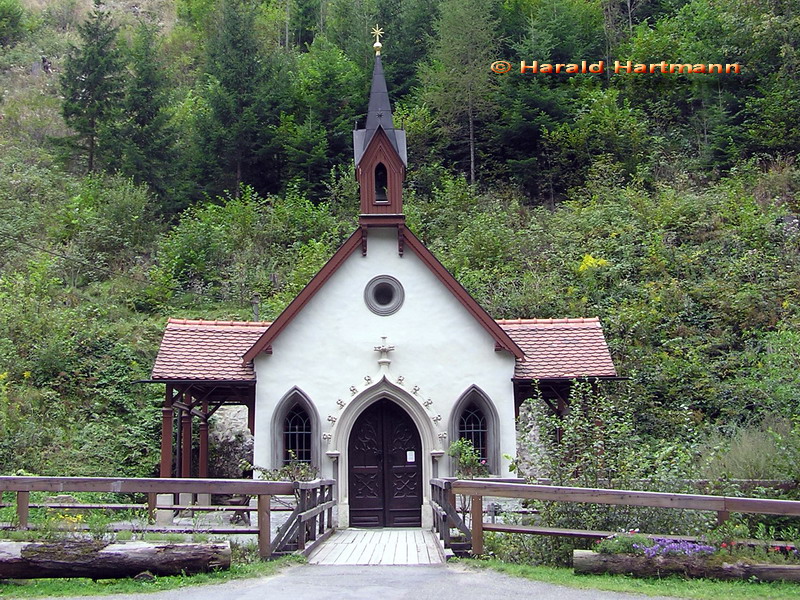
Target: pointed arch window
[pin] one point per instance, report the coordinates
(473, 426)
(295, 430)
(298, 431)
(381, 183)
(475, 418)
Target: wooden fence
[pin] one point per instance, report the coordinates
(444, 491)
(311, 519)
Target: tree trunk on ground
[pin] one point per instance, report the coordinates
(101, 560)
(587, 562)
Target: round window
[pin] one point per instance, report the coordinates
(384, 295)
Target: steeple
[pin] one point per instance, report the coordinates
(380, 150)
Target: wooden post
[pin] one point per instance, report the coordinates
(301, 527)
(311, 525)
(202, 467)
(449, 496)
(264, 526)
(186, 444)
(329, 497)
(251, 416)
(477, 525)
(151, 507)
(23, 499)
(722, 516)
(178, 446)
(166, 435)
(323, 495)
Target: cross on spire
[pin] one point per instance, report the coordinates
(377, 32)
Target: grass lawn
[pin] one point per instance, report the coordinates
(672, 586)
(36, 588)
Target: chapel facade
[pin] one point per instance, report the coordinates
(379, 363)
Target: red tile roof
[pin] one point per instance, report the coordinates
(213, 350)
(207, 350)
(560, 348)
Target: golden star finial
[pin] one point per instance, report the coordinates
(377, 32)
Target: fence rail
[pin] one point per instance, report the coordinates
(315, 501)
(444, 492)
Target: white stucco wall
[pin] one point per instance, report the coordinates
(440, 349)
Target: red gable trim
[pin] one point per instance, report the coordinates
(308, 292)
(502, 339)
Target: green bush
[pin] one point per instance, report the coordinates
(12, 16)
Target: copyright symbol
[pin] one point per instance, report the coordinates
(501, 66)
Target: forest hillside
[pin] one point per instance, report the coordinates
(175, 158)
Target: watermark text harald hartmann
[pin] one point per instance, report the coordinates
(617, 67)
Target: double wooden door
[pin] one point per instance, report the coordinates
(385, 468)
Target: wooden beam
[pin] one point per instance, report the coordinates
(476, 512)
(23, 500)
(629, 497)
(202, 467)
(166, 435)
(186, 444)
(251, 416)
(157, 485)
(264, 526)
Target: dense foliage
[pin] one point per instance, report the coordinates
(176, 159)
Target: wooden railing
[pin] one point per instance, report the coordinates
(315, 500)
(476, 490)
(308, 522)
(446, 517)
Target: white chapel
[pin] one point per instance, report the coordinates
(376, 366)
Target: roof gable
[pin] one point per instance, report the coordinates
(502, 340)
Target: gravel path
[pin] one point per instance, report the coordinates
(435, 582)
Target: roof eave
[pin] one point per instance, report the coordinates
(239, 382)
(570, 378)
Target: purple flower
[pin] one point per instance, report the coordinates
(665, 547)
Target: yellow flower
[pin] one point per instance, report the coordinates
(4, 376)
(26, 374)
(590, 262)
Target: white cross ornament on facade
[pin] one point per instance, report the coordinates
(384, 361)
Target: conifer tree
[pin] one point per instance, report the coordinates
(229, 134)
(458, 83)
(142, 141)
(92, 82)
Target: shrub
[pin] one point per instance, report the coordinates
(750, 452)
(596, 444)
(11, 21)
(469, 463)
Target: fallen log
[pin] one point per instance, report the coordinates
(104, 560)
(586, 562)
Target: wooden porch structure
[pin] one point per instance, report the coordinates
(185, 401)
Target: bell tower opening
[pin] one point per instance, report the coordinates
(381, 182)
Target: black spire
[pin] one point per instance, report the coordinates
(380, 110)
(379, 114)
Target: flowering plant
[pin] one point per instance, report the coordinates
(667, 547)
(469, 463)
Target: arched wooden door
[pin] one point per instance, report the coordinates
(385, 468)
